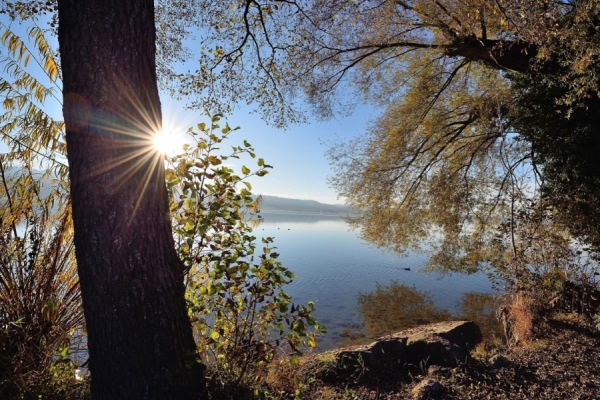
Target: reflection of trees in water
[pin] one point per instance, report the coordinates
(481, 309)
(396, 307)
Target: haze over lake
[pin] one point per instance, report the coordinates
(332, 266)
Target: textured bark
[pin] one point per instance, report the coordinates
(512, 56)
(139, 336)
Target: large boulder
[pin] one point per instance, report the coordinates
(373, 353)
(446, 344)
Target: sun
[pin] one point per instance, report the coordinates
(167, 143)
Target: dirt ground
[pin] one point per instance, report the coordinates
(563, 362)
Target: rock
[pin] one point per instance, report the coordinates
(462, 333)
(499, 361)
(445, 344)
(430, 348)
(374, 355)
(427, 388)
(436, 370)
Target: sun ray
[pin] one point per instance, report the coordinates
(140, 141)
(156, 162)
(142, 159)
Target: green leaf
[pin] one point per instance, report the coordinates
(212, 289)
(298, 326)
(214, 335)
(189, 204)
(189, 225)
(171, 175)
(214, 160)
(245, 170)
(248, 185)
(185, 249)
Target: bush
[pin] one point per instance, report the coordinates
(40, 305)
(243, 319)
(542, 270)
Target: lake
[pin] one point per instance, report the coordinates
(333, 266)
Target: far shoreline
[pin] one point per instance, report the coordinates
(302, 212)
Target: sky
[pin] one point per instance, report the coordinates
(297, 154)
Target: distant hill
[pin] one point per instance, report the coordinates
(274, 204)
(269, 204)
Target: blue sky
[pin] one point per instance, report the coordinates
(300, 168)
(297, 154)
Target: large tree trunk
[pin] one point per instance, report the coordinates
(498, 54)
(139, 336)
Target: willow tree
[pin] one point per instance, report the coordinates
(444, 160)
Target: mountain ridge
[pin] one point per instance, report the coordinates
(276, 204)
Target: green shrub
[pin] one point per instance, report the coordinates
(242, 317)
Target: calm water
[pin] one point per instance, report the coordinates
(332, 266)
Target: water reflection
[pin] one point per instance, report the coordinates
(395, 307)
(481, 309)
(296, 218)
(333, 265)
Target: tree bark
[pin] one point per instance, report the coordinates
(498, 54)
(139, 335)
